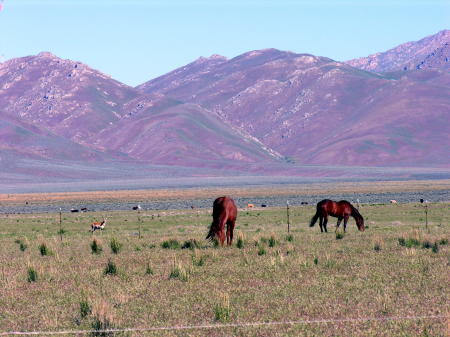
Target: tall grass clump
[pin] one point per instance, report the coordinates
(190, 244)
(85, 308)
(443, 242)
(103, 320)
(149, 270)
(22, 245)
(240, 240)
(339, 235)
(222, 310)
(197, 259)
(179, 272)
(115, 245)
(426, 244)
(435, 248)
(409, 243)
(290, 238)
(110, 268)
(32, 274)
(96, 247)
(171, 244)
(272, 241)
(44, 249)
(261, 251)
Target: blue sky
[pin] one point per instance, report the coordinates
(137, 40)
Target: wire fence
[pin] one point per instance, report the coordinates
(225, 325)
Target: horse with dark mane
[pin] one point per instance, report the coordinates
(341, 210)
(224, 212)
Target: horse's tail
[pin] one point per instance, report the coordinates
(314, 219)
(212, 232)
(358, 218)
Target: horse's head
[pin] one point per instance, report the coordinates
(360, 223)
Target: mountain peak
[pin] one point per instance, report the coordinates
(46, 54)
(213, 57)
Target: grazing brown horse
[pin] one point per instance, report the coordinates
(224, 212)
(341, 210)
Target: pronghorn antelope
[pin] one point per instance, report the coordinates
(98, 225)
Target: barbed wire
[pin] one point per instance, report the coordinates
(225, 325)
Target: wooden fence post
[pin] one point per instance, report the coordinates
(60, 223)
(287, 211)
(139, 221)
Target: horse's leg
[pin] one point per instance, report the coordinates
(325, 221)
(228, 233)
(338, 223)
(222, 222)
(320, 224)
(346, 216)
(230, 228)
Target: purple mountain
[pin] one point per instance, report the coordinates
(254, 112)
(408, 56)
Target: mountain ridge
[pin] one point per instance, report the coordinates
(265, 110)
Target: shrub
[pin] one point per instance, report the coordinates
(96, 247)
(377, 247)
(32, 274)
(290, 238)
(443, 242)
(171, 244)
(110, 268)
(115, 245)
(44, 250)
(222, 311)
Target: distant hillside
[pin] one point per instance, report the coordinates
(318, 111)
(262, 112)
(408, 56)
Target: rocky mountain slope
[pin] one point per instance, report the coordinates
(319, 111)
(84, 113)
(407, 56)
(262, 111)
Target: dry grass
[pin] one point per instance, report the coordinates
(310, 276)
(250, 191)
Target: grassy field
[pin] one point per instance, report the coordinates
(395, 268)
